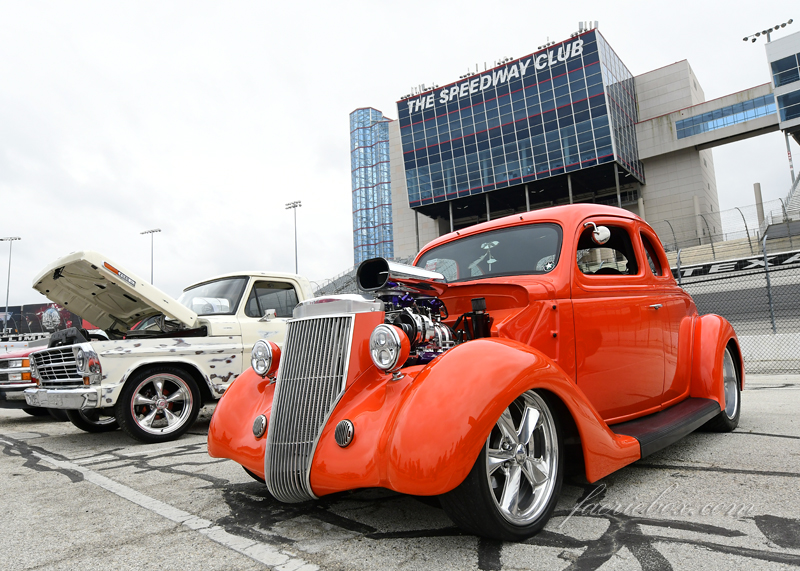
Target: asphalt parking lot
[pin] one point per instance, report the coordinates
(99, 501)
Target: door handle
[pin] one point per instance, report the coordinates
(656, 306)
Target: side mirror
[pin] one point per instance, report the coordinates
(600, 234)
(269, 315)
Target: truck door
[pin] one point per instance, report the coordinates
(264, 297)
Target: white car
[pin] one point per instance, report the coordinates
(164, 358)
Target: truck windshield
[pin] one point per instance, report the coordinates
(528, 249)
(218, 297)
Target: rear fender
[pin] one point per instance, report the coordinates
(712, 334)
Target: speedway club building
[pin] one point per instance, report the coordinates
(567, 123)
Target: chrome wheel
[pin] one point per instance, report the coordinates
(93, 419)
(731, 384)
(513, 487)
(161, 404)
(522, 459)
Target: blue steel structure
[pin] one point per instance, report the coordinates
(371, 183)
(570, 108)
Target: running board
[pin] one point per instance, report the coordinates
(660, 429)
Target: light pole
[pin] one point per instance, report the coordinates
(294, 206)
(10, 240)
(151, 232)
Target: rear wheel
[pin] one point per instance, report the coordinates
(35, 411)
(93, 420)
(58, 414)
(513, 486)
(158, 404)
(728, 419)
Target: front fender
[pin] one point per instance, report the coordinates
(230, 433)
(711, 335)
(421, 436)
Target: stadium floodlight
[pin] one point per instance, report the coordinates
(294, 206)
(151, 232)
(767, 32)
(10, 240)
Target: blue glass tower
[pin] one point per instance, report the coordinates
(372, 195)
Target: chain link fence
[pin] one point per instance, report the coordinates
(759, 294)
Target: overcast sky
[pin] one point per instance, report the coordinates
(205, 118)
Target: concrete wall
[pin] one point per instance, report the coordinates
(673, 181)
(403, 223)
(674, 174)
(667, 89)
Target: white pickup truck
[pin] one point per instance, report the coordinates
(164, 358)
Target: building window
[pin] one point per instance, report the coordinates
(789, 104)
(786, 70)
(725, 117)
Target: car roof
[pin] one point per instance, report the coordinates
(567, 216)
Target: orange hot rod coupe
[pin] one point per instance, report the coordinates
(508, 351)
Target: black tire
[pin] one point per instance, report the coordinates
(94, 420)
(58, 414)
(728, 418)
(255, 476)
(158, 404)
(521, 454)
(35, 411)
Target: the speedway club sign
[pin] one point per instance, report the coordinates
(498, 75)
(740, 265)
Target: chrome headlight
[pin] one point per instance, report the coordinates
(80, 360)
(264, 358)
(15, 363)
(88, 365)
(34, 371)
(388, 347)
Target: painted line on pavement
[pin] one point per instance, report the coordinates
(261, 552)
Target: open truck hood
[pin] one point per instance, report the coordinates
(105, 294)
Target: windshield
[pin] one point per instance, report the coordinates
(214, 298)
(529, 249)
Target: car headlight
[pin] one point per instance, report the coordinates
(80, 360)
(34, 371)
(14, 363)
(388, 347)
(265, 357)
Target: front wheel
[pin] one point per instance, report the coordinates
(513, 486)
(93, 420)
(158, 405)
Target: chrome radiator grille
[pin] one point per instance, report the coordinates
(311, 379)
(57, 368)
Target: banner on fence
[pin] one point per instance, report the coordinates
(739, 265)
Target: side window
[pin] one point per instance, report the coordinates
(652, 257)
(614, 258)
(271, 295)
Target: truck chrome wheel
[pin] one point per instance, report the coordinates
(93, 420)
(522, 458)
(513, 486)
(158, 405)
